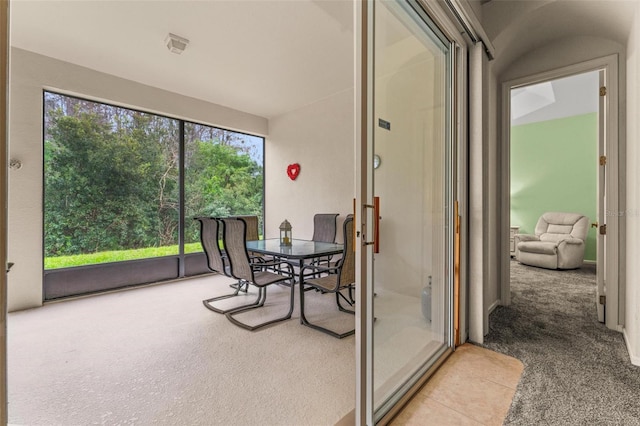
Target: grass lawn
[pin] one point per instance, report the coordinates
(116, 256)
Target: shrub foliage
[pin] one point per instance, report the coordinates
(112, 177)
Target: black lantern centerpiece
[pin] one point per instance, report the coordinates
(285, 234)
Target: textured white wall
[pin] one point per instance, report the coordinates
(632, 311)
(319, 137)
(477, 269)
(29, 75)
(564, 52)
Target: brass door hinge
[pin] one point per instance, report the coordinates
(603, 91)
(603, 160)
(603, 229)
(603, 300)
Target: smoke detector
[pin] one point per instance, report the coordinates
(176, 44)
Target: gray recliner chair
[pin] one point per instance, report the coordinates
(558, 243)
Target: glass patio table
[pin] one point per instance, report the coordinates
(298, 252)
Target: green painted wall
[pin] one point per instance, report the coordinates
(554, 168)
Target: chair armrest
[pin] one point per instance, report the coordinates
(273, 264)
(318, 268)
(256, 259)
(526, 237)
(576, 241)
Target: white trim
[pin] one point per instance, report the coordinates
(476, 269)
(471, 25)
(4, 142)
(438, 13)
(494, 305)
(635, 359)
(440, 17)
(579, 68)
(613, 174)
(462, 189)
(363, 45)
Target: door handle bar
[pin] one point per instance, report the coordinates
(376, 225)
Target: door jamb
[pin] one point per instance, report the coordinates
(613, 176)
(4, 142)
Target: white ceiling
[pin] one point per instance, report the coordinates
(518, 27)
(564, 97)
(264, 57)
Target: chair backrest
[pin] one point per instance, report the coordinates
(324, 227)
(557, 226)
(234, 238)
(209, 234)
(347, 264)
(253, 226)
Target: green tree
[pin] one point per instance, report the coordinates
(112, 177)
(100, 187)
(220, 180)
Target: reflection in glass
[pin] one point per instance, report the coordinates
(412, 271)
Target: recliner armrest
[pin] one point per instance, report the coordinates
(526, 237)
(576, 241)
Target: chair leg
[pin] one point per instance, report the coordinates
(255, 304)
(349, 302)
(305, 321)
(239, 285)
(262, 290)
(353, 299)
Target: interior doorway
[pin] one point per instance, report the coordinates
(556, 113)
(554, 152)
(555, 145)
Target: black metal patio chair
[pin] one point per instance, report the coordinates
(256, 274)
(210, 233)
(340, 277)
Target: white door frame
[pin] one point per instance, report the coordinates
(614, 240)
(363, 49)
(601, 194)
(4, 81)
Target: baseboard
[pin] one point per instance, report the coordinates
(590, 262)
(635, 359)
(494, 305)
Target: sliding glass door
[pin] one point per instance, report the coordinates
(408, 276)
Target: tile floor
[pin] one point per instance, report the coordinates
(474, 386)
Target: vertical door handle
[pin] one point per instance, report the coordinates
(375, 207)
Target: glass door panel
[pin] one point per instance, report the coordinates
(412, 271)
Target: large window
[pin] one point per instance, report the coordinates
(223, 175)
(114, 190)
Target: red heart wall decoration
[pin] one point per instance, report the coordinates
(293, 170)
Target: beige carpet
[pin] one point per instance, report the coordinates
(156, 355)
